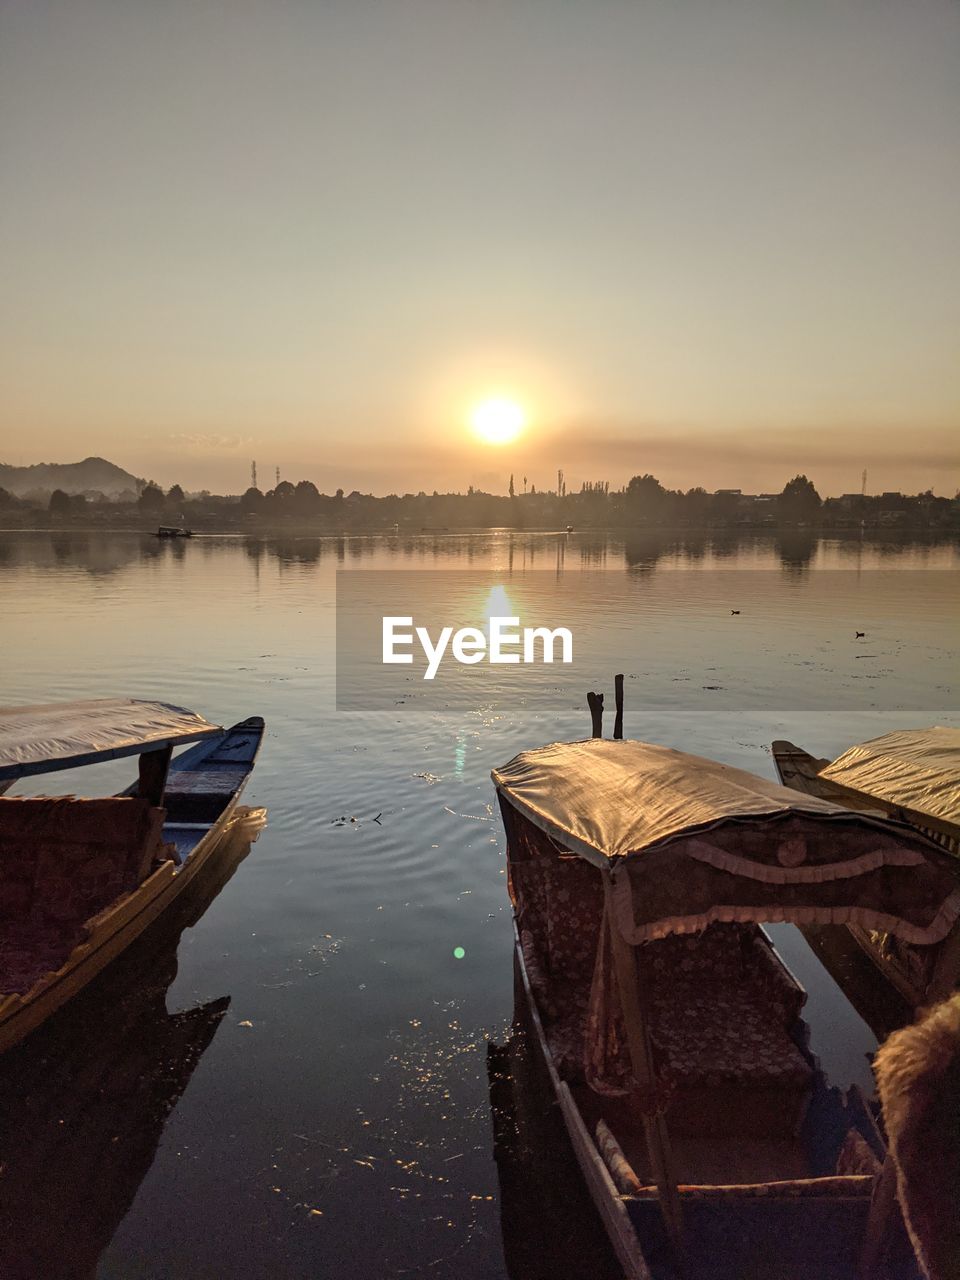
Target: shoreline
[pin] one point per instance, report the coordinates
(301, 529)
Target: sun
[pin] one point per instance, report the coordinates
(497, 420)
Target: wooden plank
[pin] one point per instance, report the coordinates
(641, 1057)
(603, 1193)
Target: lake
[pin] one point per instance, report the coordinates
(334, 1117)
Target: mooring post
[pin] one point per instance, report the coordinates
(595, 703)
(618, 694)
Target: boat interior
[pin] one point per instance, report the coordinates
(760, 1144)
(64, 860)
(762, 1149)
(641, 878)
(203, 781)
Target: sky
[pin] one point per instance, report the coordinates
(711, 239)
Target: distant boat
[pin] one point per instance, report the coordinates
(89, 875)
(910, 776)
(173, 531)
(707, 1136)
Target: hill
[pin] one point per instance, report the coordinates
(72, 477)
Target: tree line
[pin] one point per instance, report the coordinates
(642, 503)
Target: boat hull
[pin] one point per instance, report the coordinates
(635, 1228)
(115, 928)
(800, 771)
(603, 1193)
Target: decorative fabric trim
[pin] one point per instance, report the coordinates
(776, 913)
(618, 1166)
(839, 1185)
(723, 860)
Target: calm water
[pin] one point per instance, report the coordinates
(338, 1121)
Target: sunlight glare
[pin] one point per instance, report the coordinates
(497, 420)
(498, 604)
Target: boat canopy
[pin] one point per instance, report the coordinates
(916, 769)
(690, 841)
(62, 735)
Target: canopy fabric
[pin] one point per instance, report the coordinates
(917, 769)
(61, 735)
(692, 841)
(851, 875)
(606, 799)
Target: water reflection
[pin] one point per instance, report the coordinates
(881, 1007)
(84, 1100)
(796, 549)
(101, 553)
(370, 1153)
(549, 1225)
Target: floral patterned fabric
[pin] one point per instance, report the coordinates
(559, 902)
(718, 1009)
(574, 906)
(61, 862)
(618, 1166)
(792, 1188)
(718, 1005)
(566, 1035)
(31, 948)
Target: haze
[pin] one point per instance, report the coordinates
(712, 241)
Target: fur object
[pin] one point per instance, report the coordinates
(918, 1079)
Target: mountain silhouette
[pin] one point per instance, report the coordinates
(72, 477)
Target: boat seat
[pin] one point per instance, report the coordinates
(721, 1011)
(200, 795)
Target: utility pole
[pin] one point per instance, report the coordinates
(863, 483)
(253, 474)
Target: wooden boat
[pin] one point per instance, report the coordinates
(174, 531)
(80, 879)
(707, 1136)
(912, 776)
(84, 1100)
